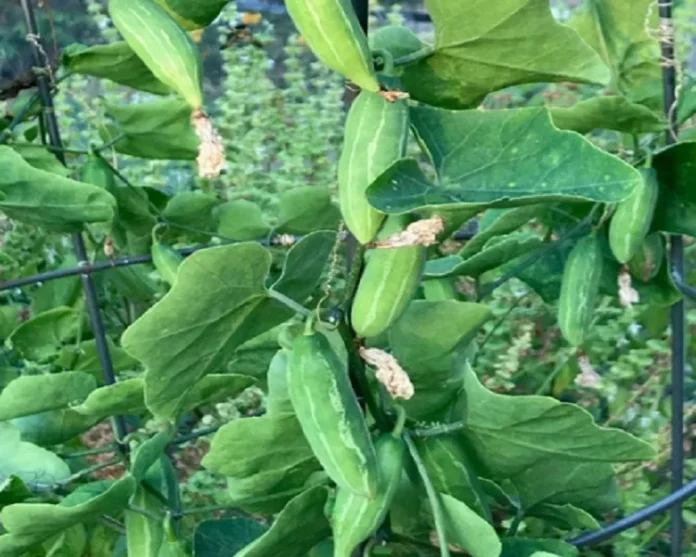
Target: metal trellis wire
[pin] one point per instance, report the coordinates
(679, 491)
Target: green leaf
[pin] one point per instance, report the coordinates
(31, 394)
(278, 400)
(222, 289)
(241, 220)
(265, 458)
(608, 113)
(156, 130)
(40, 338)
(221, 538)
(149, 452)
(53, 427)
(523, 547)
(194, 15)
(128, 397)
(40, 157)
(124, 397)
(676, 206)
(511, 433)
(254, 356)
(498, 222)
(466, 529)
(431, 354)
(588, 485)
(191, 208)
(565, 516)
(115, 61)
(497, 252)
(299, 527)
(451, 472)
(305, 209)
(500, 165)
(60, 292)
(615, 29)
(33, 523)
(48, 200)
(302, 270)
(70, 543)
(84, 357)
(472, 55)
(26, 461)
(13, 490)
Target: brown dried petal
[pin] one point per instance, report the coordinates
(388, 372)
(211, 151)
(420, 233)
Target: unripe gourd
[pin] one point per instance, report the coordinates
(355, 518)
(162, 45)
(376, 136)
(388, 282)
(332, 30)
(580, 288)
(329, 414)
(633, 217)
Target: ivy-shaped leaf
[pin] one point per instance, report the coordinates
(226, 303)
(511, 433)
(31, 394)
(305, 209)
(300, 526)
(473, 53)
(615, 29)
(430, 354)
(241, 220)
(500, 158)
(48, 200)
(608, 113)
(155, 130)
(29, 524)
(115, 61)
(494, 254)
(40, 338)
(26, 461)
(302, 270)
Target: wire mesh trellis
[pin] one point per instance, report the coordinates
(679, 491)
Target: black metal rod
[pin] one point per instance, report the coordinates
(672, 501)
(90, 268)
(678, 312)
(51, 123)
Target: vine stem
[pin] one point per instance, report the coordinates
(292, 304)
(438, 514)
(441, 429)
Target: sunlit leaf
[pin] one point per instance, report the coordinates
(41, 337)
(516, 157)
(26, 461)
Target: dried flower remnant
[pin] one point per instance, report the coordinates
(420, 233)
(627, 294)
(588, 376)
(389, 372)
(211, 152)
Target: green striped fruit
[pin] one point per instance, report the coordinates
(390, 279)
(633, 217)
(356, 518)
(162, 45)
(329, 414)
(580, 289)
(376, 136)
(646, 263)
(166, 260)
(333, 32)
